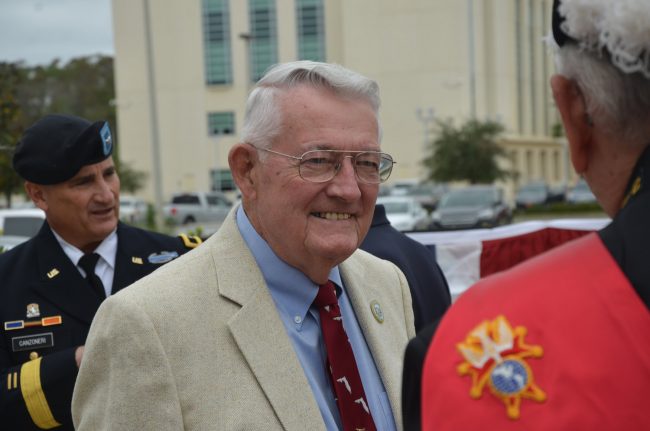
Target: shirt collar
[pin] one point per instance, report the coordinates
(106, 249)
(292, 291)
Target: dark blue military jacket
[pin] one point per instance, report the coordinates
(46, 308)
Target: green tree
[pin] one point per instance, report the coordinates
(84, 87)
(466, 153)
(11, 127)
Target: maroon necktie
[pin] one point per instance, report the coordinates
(344, 374)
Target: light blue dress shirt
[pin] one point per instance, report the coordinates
(293, 294)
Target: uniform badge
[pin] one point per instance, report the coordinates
(495, 355)
(190, 241)
(377, 312)
(107, 140)
(33, 310)
(137, 260)
(32, 342)
(162, 257)
(53, 273)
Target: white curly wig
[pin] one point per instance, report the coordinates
(604, 45)
(622, 27)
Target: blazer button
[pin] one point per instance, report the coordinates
(33, 355)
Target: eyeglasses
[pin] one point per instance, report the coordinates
(320, 166)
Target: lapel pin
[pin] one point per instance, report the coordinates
(33, 311)
(377, 312)
(137, 260)
(53, 273)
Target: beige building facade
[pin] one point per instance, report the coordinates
(183, 70)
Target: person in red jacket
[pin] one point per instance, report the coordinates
(561, 341)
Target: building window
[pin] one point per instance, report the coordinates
(222, 180)
(311, 30)
(263, 38)
(221, 123)
(216, 42)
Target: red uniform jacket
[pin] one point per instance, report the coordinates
(572, 353)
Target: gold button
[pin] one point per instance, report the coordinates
(33, 355)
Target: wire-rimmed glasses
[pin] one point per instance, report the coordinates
(320, 166)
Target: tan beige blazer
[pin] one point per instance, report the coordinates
(199, 345)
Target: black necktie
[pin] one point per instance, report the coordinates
(87, 263)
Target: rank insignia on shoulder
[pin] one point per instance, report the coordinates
(192, 241)
(162, 257)
(495, 355)
(636, 186)
(53, 273)
(33, 310)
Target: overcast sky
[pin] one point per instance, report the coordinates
(38, 31)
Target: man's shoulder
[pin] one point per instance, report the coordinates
(17, 254)
(145, 238)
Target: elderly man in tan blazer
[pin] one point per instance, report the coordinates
(278, 321)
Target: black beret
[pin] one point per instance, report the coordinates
(56, 147)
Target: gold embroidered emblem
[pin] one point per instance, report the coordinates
(495, 356)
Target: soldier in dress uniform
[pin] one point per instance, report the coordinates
(561, 341)
(52, 285)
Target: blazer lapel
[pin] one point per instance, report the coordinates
(362, 288)
(260, 335)
(59, 280)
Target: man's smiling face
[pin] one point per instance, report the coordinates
(315, 226)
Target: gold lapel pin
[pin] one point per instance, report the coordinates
(53, 273)
(137, 260)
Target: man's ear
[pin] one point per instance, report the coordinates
(577, 122)
(36, 194)
(242, 158)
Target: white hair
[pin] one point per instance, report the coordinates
(620, 101)
(263, 120)
(610, 62)
(622, 27)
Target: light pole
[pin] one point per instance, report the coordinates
(153, 118)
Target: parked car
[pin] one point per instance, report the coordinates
(472, 207)
(428, 194)
(405, 213)
(132, 209)
(24, 222)
(198, 207)
(580, 193)
(531, 194)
